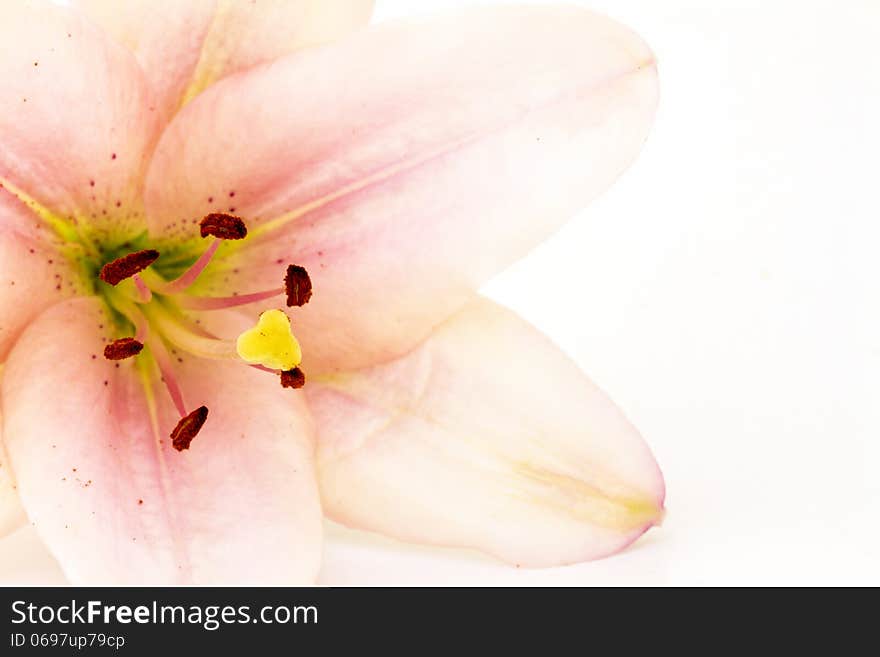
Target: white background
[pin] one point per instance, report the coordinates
(725, 293)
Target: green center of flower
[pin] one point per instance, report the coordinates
(150, 299)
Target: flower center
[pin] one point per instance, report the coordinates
(154, 309)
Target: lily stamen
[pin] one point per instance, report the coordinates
(188, 427)
(297, 288)
(127, 266)
(297, 285)
(221, 227)
(123, 348)
(153, 304)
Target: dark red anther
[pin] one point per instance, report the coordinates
(188, 428)
(298, 285)
(224, 226)
(293, 378)
(122, 349)
(127, 266)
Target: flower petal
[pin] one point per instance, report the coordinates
(12, 514)
(405, 165)
(75, 120)
(485, 436)
(115, 503)
(183, 47)
(33, 274)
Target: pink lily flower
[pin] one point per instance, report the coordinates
(173, 171)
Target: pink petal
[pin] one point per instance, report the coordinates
(115, 503)
(185, 46)
(12, 514)
(76, 124)
(405, 165)
(32, 272)
(485, 436)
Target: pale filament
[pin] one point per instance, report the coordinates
(154, 342)
(144, 293)
(188, 277)
(184, 338)
(218, 303)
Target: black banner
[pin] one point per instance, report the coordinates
(411, 621)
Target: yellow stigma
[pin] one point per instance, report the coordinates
(270, 343)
